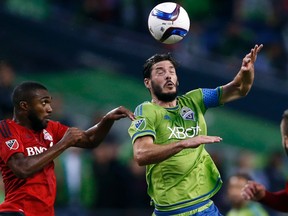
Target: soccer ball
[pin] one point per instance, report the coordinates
(168, 22)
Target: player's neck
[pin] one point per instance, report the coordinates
(20, 120)
(164, 104)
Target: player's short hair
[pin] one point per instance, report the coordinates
(25, 91)
(155, 59)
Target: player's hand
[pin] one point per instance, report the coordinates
(73, 136)
(120, 112)
(196, 141)
(250, 58)
(253, 191)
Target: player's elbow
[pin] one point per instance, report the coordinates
(243, 92)
(139, 159)
(22, 173)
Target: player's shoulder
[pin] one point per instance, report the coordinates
(195, 91)
(192, 93)
(143, 107)
(5, 128)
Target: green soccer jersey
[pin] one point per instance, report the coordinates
(190, 176)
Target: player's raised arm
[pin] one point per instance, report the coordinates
(243, 81)
(98, 132)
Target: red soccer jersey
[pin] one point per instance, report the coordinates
(34, 195)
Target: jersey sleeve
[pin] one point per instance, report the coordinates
(204, 98)
(211, 97)
(10, 141)
(144, 124)
(277, 200)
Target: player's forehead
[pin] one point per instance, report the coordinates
(163, 64)
(40, 94)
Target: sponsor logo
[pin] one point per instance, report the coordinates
(183, 133)
(187, 114)
(35, 150)
(12, 144)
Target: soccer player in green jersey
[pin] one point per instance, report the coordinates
(169, 134)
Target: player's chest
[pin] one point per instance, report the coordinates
(180, 124)
(36, 143)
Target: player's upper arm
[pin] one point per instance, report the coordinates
(141, 145)
(17, 164)
(143, 142)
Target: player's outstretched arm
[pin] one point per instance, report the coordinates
(253, 191)
(98, 132)
(146, 152)
(257, 192)
(242, 82)
(23, 166)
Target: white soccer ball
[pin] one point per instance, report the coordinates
(168, 22)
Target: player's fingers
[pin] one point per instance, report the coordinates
(212, 139)
(258, 48)
(255, 51)
(245, 195)
(247, 192)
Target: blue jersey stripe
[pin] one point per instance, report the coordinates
(211, 97)
(176, 204)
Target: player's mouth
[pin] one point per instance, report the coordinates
(169, 84)
(47, 118)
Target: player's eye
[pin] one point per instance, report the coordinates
(160, 72)
(44, 102)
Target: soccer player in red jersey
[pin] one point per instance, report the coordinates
(255, 191)
(31, 141)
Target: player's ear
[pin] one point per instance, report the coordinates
(23, 105)
(147, 83)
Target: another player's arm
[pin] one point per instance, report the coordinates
(146, 152)
(242, 83)
(23, 166)
(98, 132)
(257, 192)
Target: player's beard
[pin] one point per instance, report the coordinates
(165, 97)
(36, 123)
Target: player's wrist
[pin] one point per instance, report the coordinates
(180, 145)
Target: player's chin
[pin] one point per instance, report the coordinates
(45, 122)
(170, 91)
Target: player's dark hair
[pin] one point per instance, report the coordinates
(285, 119)
(155, 59)
(25, 91)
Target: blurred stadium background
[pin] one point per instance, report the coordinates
(90, 54)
